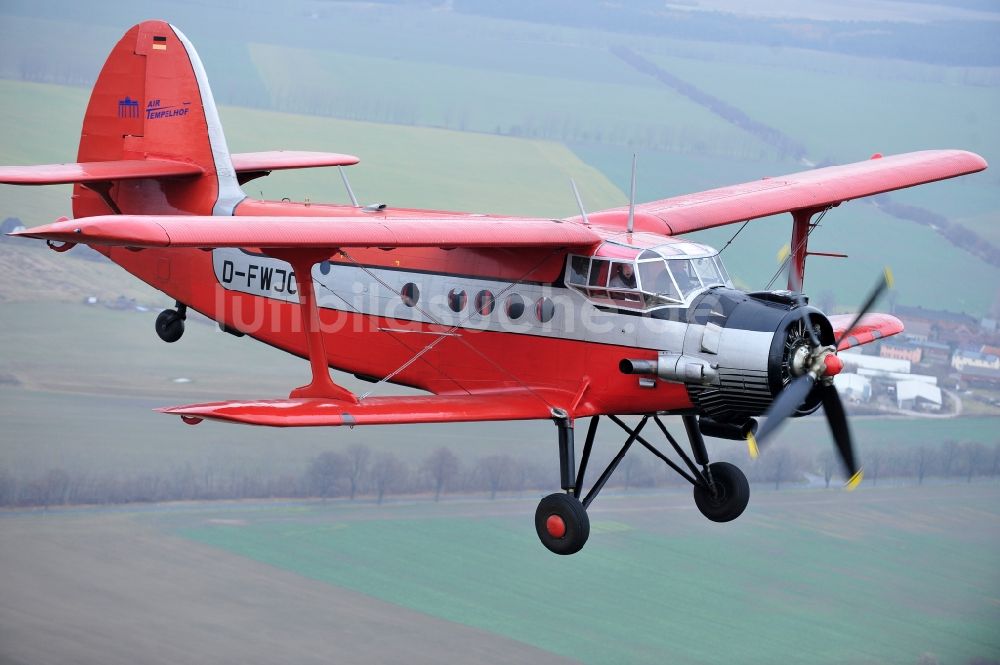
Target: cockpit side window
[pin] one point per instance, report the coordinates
(708, 271)
(599, 272)
(623, 286)
(684, 276)
(655, 279)
(622, 275)
(579, 269)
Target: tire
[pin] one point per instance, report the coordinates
(169, 326)
(562, 523)
(732, 497)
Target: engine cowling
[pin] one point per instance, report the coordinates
(740, 350)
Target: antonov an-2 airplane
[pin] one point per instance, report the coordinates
(498, 318)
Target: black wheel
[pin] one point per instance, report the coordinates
(562, 523)
(732, 493)
(169, 326)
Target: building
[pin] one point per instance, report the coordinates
(934, 353)
(966, 358)
(853, 387)
(981, 377)
(918, 396)
(855, 359)
(901, 350)
(938, 325)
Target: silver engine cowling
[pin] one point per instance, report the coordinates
(740, 350)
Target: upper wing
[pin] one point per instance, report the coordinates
(870, 328)
(297, 232)
(819, 188)
(513, 405)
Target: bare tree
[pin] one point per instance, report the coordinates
(923, 459)
(388, 473)
(324, 473)
(875, 464)
(828, 463)
(357, 464)
(975, 454)
(949, 451)
(497, 471)
(442, 466)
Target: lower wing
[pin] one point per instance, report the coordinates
(871, 328)
(306, 412)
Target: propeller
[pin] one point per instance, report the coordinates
(816, 366)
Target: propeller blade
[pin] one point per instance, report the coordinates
(784, 405)
(837, 418)
(883, 284)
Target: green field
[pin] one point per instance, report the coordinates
(882, 576)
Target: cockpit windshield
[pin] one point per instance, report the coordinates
(649, 280)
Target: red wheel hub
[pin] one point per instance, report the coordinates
(555, 526)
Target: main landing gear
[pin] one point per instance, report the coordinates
(721, 491)
(170, 323)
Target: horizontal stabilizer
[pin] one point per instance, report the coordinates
(123, 169)
(871, 328)
(517, 405)
(320, 232)
(249, 162)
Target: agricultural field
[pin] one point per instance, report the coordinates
(887, 575)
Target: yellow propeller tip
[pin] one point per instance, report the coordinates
(855, 480)
(752, 446)
(889, 279)
(783, 253)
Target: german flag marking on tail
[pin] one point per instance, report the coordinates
(159, 43)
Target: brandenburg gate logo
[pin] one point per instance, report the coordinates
(128, 108)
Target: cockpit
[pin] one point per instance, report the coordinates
(620, 275)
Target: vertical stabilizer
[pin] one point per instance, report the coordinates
(152, 101)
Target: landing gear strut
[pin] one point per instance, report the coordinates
(721, 491)
(170, 323)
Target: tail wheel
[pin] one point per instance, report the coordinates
(562, 523)
(731, 495)
(169, 325)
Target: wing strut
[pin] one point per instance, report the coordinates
(800, 248)
(321, 385)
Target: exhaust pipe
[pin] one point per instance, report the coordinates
(672, 367)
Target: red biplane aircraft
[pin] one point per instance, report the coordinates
(498, 318)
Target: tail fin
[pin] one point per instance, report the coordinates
(152, 101)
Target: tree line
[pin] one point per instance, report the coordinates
(357, 472)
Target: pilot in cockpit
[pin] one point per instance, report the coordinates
(683, 276)
(623, 276)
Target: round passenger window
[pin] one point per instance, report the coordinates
(457, 300)
(485, 302)
(324, 267)
(545, 309)
(514, 307)
(410, 294)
